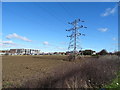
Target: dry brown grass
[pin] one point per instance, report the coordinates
(18, 68)
(54, 72)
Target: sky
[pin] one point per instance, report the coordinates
(42, 25)
(60, 0)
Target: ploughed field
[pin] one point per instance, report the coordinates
(17, 69)
(54, 71)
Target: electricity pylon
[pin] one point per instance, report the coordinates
(75, 34)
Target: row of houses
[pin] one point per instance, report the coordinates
(20, 52)
(38, 52)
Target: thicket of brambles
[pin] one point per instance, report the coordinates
(92, 73)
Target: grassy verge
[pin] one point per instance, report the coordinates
(115, 83)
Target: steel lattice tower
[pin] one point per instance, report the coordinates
(75, 34)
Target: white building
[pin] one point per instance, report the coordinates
(24, 51)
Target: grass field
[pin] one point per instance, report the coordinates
(34, 71)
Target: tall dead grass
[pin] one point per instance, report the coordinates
(91, 73)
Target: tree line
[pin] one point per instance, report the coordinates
(102, 52)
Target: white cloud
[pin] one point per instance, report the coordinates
(114, 39)
(45, 43)
(109, 11)
(103, 29)
(14, 35)
(6, 42)
(116, 44)
(63, 43)
(0, 33)
(5, 46)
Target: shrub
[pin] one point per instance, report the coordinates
(90, 73)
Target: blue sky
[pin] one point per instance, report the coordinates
(42, 26)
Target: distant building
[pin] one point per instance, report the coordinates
(24, 51)
(87, 52)
(3, 52)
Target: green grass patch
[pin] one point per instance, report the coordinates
(7, 84)
(115, 83)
